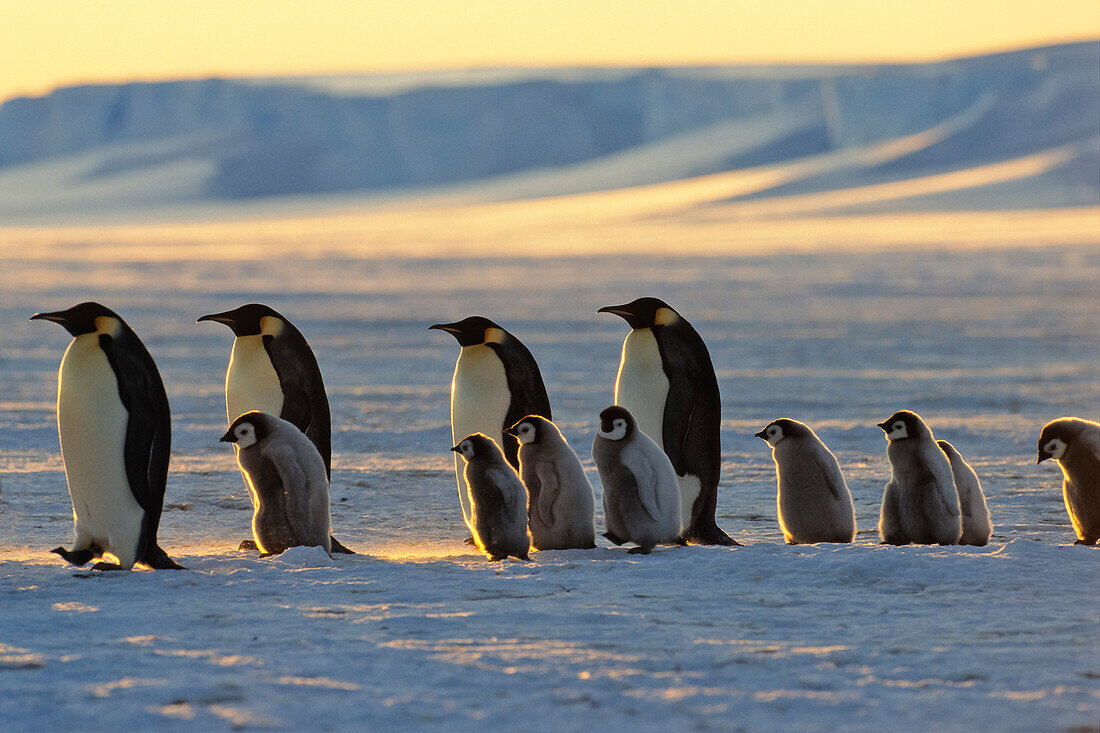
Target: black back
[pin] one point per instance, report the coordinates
(526, 388)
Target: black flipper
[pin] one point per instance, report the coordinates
(526, 387)
(337, 547)
(305, 403)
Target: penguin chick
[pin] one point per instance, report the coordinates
(920, 503)
(641, 495)
(813, 500)
(977, 525)
(115, 428)
(1075, 445)
(498, 501)
(561, 508)
(286, 475)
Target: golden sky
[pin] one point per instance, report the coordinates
(49, 43)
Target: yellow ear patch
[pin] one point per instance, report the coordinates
(494, 335)
(665, 317)
(109, 326)
(271, 326)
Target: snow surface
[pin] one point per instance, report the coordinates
(419, 632)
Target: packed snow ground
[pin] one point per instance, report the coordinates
(419, 632)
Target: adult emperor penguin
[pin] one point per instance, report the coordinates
(920, 504)
(498, 501)
(1075, 445)
(813, 499)
(977, 524)
(116, 434)
(287, 476)
(496, 382)
(641, 496)
(561, 509)
(273, 370)
(666, 380)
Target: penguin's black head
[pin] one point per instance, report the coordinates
(903, 424)
(644, 313)
(248, 429)
(616, 423)
(777, 430)
(1056, 437)
(478, 445)
(80, 319)
(246, 320)
(472, 331)
(531, 429)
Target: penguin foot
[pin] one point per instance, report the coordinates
(247, 545)
(158, 560)
(712, 535)
(639, 550)
(524, 557)
(76, 557)
(107, 566)
(470, 540)
(496, 558)
(1087, 543)
(337, 547)
(614, 538)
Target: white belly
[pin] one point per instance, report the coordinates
(642, 386)
(251, 382)
(92, 424)
(479, 403)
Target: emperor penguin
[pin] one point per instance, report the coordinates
(977, 524)
(666, 380)
(641, 496)
(920, 504)
(496, 382)
(498, 501)
(561, 508)
(116, 434)
(1074, 444)
(813, 499)
(286, 474)
(272, 369)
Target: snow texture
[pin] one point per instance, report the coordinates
(420, 632)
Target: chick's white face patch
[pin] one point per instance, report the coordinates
(245, 434)
(525, 433)
(773, 434)
(1056, 448)
(466, 448)
(898, 431)
(617, 431)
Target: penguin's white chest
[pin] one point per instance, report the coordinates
(92, 424)
(251, 382)
(479, 403)
(642, 386)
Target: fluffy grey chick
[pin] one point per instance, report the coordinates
(813, 499)
(498, 501)
(977, 525)
(920, 503)
(287, 477)
(561, 508)
(1075, 445)
(641, 495)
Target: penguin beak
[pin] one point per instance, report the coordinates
(55, 316)
(228, 437)
(760, 435)
(1042, 457)
(454, 449)
(617, 310)
(217, 318)
(885, 426)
